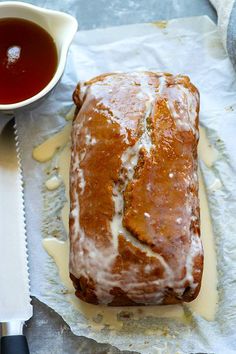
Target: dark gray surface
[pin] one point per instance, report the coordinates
(41, 330)
(104, 13)
(44, 327)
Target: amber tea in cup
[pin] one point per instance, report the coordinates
(28, 59)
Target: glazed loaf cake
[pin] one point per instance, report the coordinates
(134, 218)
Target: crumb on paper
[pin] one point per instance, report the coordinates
(229, 108)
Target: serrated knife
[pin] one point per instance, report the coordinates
(15, 306)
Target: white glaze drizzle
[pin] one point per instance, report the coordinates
(87, 258)
(89, 140)
(185, 115)
(129, 161)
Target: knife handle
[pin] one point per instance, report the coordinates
(14, 345)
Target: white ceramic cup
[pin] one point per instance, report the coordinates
(62, 27)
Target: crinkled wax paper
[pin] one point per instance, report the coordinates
(188, 46)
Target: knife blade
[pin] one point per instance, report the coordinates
(15, 306)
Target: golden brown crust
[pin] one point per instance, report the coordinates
(134, 222)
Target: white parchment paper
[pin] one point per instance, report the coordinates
(187, 46)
